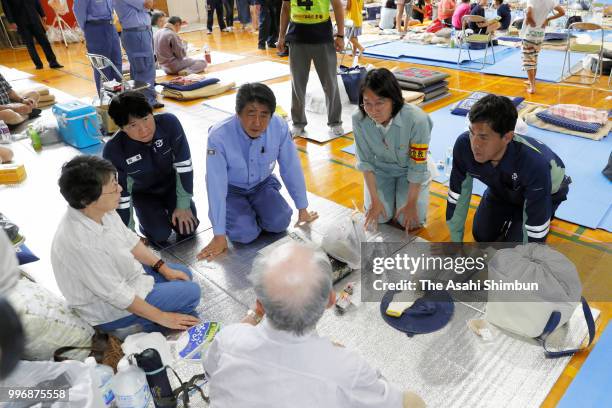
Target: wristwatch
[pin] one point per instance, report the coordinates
(253, 314)
(158, 265)
(339, 36)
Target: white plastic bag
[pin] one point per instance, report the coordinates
(50, 375)
(343, 239)
(137, 343)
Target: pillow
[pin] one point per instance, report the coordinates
(463, 107)
(24, 255)
(571, 124)
(48, 322)
(191, 87)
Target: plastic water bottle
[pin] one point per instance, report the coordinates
(102, 376)
(130, 387)
(35, 137)
(207, 54)
(448, 162)
(452, 38)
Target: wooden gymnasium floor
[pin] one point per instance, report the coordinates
(331, 173)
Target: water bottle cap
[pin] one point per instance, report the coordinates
(90, 361)
(123, 365)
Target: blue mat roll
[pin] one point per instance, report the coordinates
(591, 387)
(590, 193)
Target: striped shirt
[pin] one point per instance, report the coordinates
(5, 88)
(95, 268)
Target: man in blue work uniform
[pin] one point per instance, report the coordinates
(154, 169)
(243, 195)
(137, 39)
(526, 180)
(95, 17)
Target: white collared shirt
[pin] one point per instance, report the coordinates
(384, 128)
(259, 366)
(95, 268)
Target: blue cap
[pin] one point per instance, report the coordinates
(428, 314)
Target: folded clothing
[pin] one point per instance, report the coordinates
(413, 97)
(210, 90)
(531, 118)
(420, 76)
(580, 113)
(192, 86)
(462, 108)
(415, 87)
(434, 94)
(566, 123)
(555, 37)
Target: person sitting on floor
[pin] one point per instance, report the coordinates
(16, 108)
(105, 272)
(171, 51)
(525, 179)
(282, 361)
(391, 144)
(504, 13)
(154, 168)
(461, 10)
(158, 20)
(486, 27)
(243, 194)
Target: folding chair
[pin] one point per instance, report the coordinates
(100, 63)
(474, 39)
(594, 48)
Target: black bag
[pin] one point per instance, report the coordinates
(352, 78)
(608, 170)
(572, 20)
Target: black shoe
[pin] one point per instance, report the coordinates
(39, 67)
(261, 47)
(283, 54)
(56, 65)
(158, 105)
(35, 113)
(271, 45)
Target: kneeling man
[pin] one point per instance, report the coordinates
(243, 194)
(525, 179)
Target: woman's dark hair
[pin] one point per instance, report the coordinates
(496, 111)
(255, 92)
(155, 16)
(128, 104)
(383, 83)
(82, 179)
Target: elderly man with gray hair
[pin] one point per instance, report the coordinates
(283, 362)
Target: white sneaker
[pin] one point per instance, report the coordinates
(225, 30)
(336, 130)
(297, 131)
(230, 29)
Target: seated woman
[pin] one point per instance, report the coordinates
(486, 27)
(16, 108)
(392, 139)
(158, 20)
(153, 162)
(107, 275)
(171, 51)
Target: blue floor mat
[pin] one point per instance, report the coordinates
(591, 387)
(401, 49)
(590, 194)
(508, 60)
(350, 149)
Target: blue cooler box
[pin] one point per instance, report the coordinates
(78, 124)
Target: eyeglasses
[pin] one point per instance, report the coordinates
(116, 185)
(369, 106)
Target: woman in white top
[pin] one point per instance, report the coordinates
(107, 275)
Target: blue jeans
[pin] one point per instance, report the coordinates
(168, 296)
(244, 14)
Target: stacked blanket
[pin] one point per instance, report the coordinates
(572, 120)
(194, 87)
(430, 83)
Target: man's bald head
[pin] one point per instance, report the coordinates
(293, 284)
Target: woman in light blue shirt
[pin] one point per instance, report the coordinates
(392, 140)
